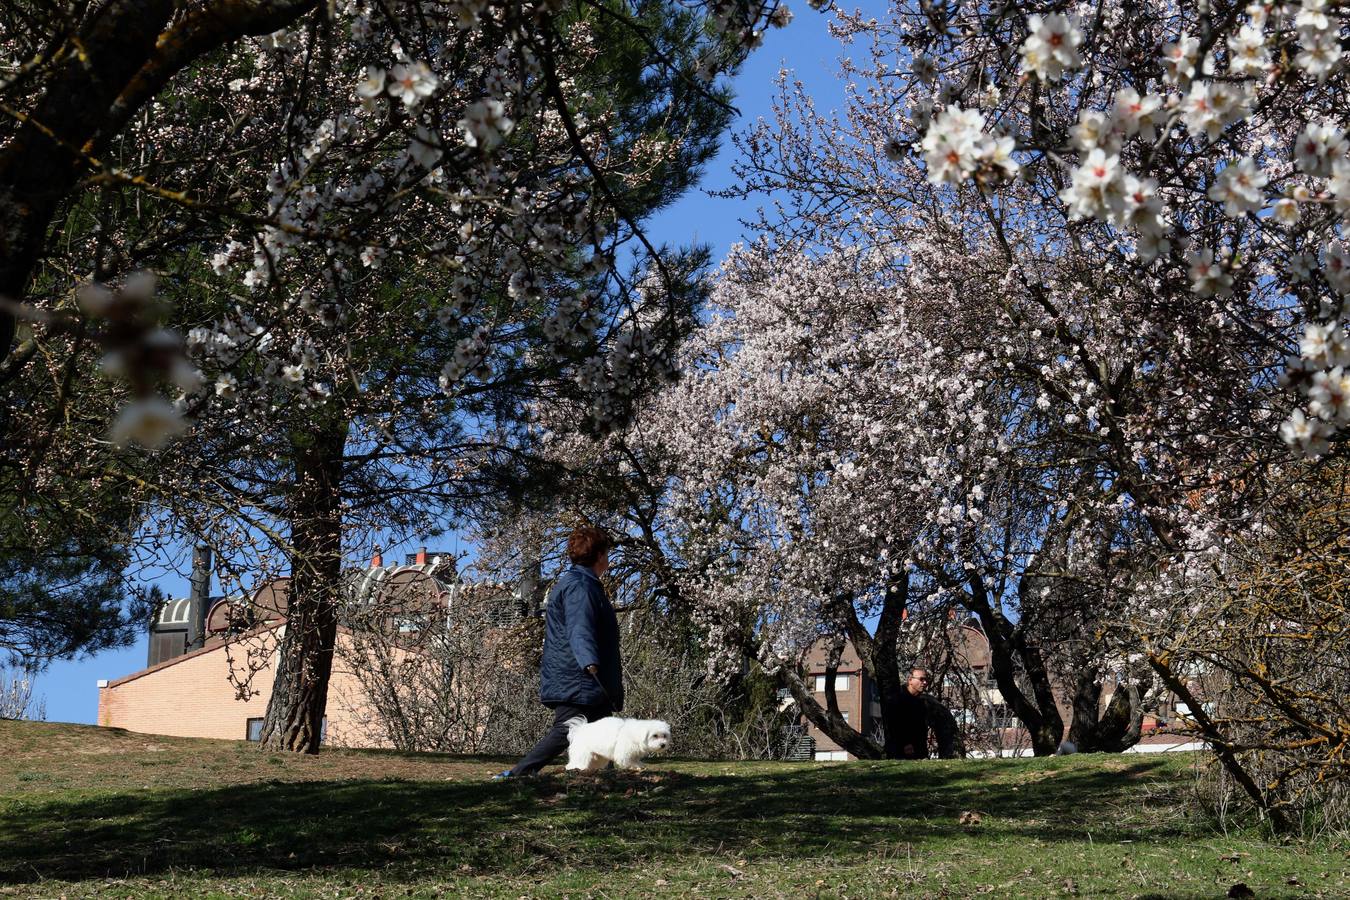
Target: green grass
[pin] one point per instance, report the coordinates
(87, 811)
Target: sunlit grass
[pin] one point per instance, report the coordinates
(91, 811)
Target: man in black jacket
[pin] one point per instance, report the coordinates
(581, 674)
(914, 715)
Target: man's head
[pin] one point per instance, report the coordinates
(918, 680)
(589, 546)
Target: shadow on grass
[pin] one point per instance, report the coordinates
(586, 821)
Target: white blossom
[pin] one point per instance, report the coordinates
(1093, 131)
(425, 149)
(412, 82)
(1240, 188)
(1213, 105)
(1337, 267)
(1096, 188)
(1329, 395)
(150, 422)
(1179, 59)
(1135, 114)
(485, 123)
(1208, 277)
(1305, 436)
(1051, 47)
(1247, 53)
(1318, 146)
(372, 85)
(185, 376)
(1285, 211)
(1339, 186)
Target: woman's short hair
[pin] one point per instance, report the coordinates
(587, 544)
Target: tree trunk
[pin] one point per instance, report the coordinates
(830, 722)
(300, 692)
(1219, 742)
(1112, 730)
(1007, 645)
(880, 657)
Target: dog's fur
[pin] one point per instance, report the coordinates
(624, 742)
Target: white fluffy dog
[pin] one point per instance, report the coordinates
(592, 745)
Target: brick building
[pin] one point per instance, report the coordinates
(968, 691)
(854, 690)
(186, 689)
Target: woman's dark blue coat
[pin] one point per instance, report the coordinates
(581, 630)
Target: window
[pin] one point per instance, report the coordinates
(844, 713)
(840, 683)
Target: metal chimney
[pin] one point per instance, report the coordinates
(531, 585)
(198, 596)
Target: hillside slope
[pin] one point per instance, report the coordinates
(91, 811)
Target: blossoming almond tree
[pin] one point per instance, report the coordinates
(1198, 144)
(875, 459)
(839, 454)
(379, 228)
(1159, 185)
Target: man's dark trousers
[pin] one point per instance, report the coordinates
(555, 742)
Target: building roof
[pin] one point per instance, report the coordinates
(819, 654)
(401, 585)
(173, 612)
(406, 583)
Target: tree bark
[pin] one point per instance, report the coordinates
(880, 655)
(1007, 644)
(299, 698)
(1112, 730)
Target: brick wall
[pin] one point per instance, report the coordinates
(191, 696)
(850, 704)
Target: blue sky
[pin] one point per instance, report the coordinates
(69, 688)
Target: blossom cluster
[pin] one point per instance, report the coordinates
(956, 147)
(142, 354)
(1218, 159)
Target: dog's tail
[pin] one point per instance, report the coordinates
(573, 725)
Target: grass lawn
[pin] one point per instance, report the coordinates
(90, 811)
